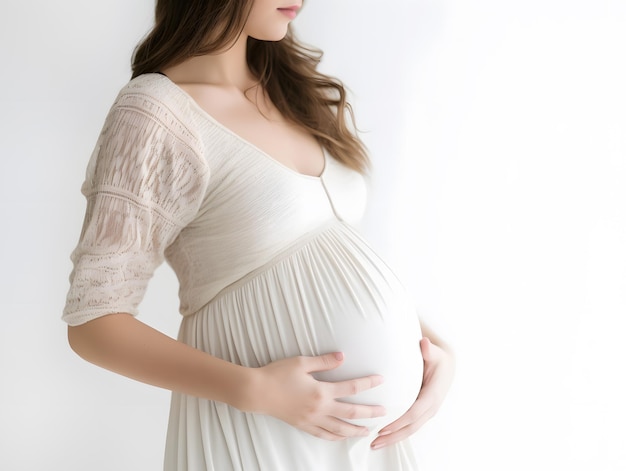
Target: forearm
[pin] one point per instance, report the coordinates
(123, 344)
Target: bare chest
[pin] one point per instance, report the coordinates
(261, 125)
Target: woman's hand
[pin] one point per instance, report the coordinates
(438, 373)
(285, 389)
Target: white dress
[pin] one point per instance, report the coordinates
(269, 267)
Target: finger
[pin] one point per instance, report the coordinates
(347, 410)
(430, 351)
(355, 386)
(425, 345)
(405, 419)
(418, 414)
(321, 432)
(343, 429)
(395, 437)
(328, 361)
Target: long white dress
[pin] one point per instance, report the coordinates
(269, 267)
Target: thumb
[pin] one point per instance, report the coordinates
(328, 361)
(426, 347)
(430, 351)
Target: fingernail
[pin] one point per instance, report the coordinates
(375, 446)
(339, 356)
(382, 434)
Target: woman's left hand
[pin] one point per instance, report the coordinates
(438, 373)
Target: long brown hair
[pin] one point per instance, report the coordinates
(286, 69)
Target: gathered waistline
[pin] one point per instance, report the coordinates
(293, 247)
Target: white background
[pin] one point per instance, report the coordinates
(497, 131)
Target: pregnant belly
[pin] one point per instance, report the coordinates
(386, 344)
(327, 293)
(372, 321)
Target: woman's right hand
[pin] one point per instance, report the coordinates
(286, 389)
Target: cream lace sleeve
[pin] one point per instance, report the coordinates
(145, 182)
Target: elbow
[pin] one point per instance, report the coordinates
(96, 340)
(75, 340)
(86, 339)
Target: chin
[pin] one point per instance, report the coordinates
(270, 34)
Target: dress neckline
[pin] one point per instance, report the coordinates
(214, 121)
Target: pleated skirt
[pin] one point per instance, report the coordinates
(326, 292)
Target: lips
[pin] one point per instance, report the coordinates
(290, 11)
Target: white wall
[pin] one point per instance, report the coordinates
(498, 136)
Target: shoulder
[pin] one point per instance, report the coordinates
(157, 99)
(155, 88)
(149, 148)
(151, 112)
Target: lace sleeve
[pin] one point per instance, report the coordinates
(145, 182)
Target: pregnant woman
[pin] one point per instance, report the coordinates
(229, 156)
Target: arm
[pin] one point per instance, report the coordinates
(124, 345)
(284, 389)
(439, 367)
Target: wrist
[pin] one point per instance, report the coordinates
(248, 393)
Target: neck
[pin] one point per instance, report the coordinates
(228, 68)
